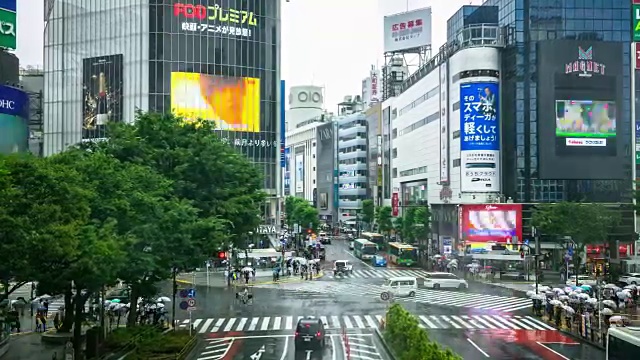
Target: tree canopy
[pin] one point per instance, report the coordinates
(368, 212)
(299, 211)
(159, 196)
(384, 219)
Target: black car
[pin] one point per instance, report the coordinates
(310, 334)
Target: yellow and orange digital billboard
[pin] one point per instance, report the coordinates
(232, 102)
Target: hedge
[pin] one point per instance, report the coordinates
(408, 341)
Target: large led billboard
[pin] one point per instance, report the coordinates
(101, 94)
(580, 111)
(233, 103)
(14, 115)
(486, 224)
(8, 24)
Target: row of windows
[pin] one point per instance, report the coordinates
(431, 93)
(414, 171)
(420, 123)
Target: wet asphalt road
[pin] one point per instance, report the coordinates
(482, 322)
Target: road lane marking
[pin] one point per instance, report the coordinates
(335, 322)
(370, 321)
(460, 321)
(553, 351)
(347, 322)
(196, 322)
(324, 320)
(265, 323)
(285, 352)
(254, 323)
(230, 324)
(334, 354)
(426, 321)
(216, 327)
(241, 325)
(359, 322)
(288, 323)
(276, 323)
(360, 261)
(206, 325)
(478, 348)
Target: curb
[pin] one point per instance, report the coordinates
(572, 335)
(386, 347)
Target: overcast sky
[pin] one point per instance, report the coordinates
(332, 43)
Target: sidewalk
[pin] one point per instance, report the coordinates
(219, 280)
(30, 347)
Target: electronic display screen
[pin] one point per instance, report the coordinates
(585, 126)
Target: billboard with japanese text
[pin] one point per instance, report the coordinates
(232, 103)
(287, 171)
(407, 30)
(101, 94)
(8, 24)
(491, 223)
(215, 19)
(480, 137)
(299, 176)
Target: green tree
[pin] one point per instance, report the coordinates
(41, 215)
(368, 213)
(408, 225)
(299, 211)
(584, 223)
(384, 220)
(422, 221)
(217, 180)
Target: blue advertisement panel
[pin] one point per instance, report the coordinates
(287, 171)
(14, 115)
(8, 5)
(480, 137)
(283, 107)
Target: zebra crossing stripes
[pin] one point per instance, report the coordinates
(425, 296)
(375, 273)
(351, 322)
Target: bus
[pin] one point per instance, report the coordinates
(403, 254)
(364, 249)
(622, 342)
(374, 238)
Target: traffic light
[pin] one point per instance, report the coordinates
(222, 255)
(521, 253)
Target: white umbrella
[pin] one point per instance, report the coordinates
(160, 305)
(152, 306)
(563, 298)
(630, 287)
(107, 302)
(569, 310)
(622, 295)
(558, 291)
(610, 286)
(573, 294)
(568, 289)
(127, 305)
(541, 288)
(537, 297)
(610, 304)
(592, 301)
(555, 302)
(163, 299)
(530, 293)
(247, 269)
(578, 290)
(616, 318)
(606, 312)
(584, 296)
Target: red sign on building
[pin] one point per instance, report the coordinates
(395, 204)
(491, 222)
(637, 51)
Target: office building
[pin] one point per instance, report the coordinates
(484, 127)
(106, 59)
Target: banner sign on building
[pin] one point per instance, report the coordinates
(299, 171)
(283, 110)
(375, 85)
(8, 24)
(407, 30)
(636, 50)
(491, 223)
(395, 204)
(287, 171)
(444, 123)
(480, 137)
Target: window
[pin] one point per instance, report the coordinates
(456, 163)
(456, 105)
(394, 172)
(394, 153)
(394, 133)
(456, 134)
(420, 123)
(414, 171)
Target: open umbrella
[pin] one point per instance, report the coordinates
(631, 287)
(610, 304)
(592, 301)
(611, 286)
(558, 291)
(117, 301)
(569, 310)
(163, 299)
(555, 302)
(584, 296)
(622, 295)
(537, 297)
(247, 269)
(606, 312)
(585, 287)
(541, 288)
(563, 298)
(530, 293)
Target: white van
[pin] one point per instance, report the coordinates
(399, 286)
(437, 280)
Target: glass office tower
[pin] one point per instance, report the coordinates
(214, 59)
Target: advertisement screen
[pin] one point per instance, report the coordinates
(480, 138)
(299, 173)
(407, 30)
(498, 223)
(585, 122)
(14, 112)
(233, 103)
(101, 94)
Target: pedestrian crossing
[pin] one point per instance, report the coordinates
(461, 299)
(349, 322)
(380, 273)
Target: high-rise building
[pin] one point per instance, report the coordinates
(218, 60)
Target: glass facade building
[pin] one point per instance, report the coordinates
(215, 59)
(352, 165)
